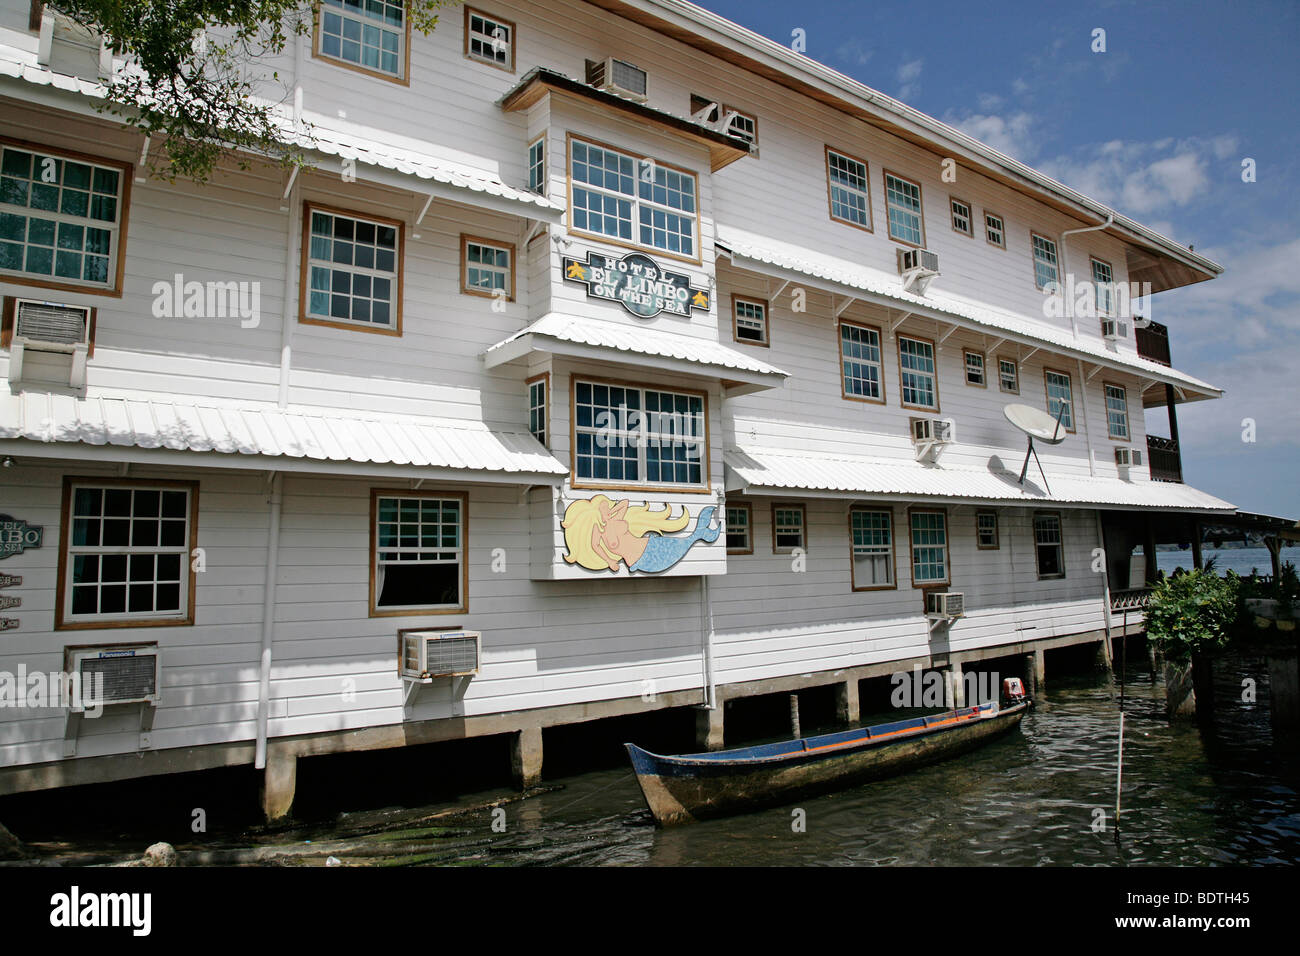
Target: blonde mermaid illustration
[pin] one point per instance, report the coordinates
(601, 535)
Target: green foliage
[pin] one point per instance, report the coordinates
(1193, 613)
(193, 79)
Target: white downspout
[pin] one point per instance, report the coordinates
(706, 643)
(1065, 271)
(1083, 416)
(287, 312)
(268, 617)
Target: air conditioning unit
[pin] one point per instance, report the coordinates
(618, 76)
(917, 267)
(430, 654)
(1113, 329)
(51, 327)
(938, 430)
(1128, 457)
(131, 673)
(944, 605)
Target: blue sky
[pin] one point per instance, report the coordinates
(1157, 127)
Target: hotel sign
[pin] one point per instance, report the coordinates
(16, 536)
(640, 284)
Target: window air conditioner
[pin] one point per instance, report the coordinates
(917, 267)
(1128, 457)
(618, 76)
(130, 672)
(1113, 329)
(430, 654)
(937, 430)
(50, 327)
(945, 605)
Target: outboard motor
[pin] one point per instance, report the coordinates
(1013, 690)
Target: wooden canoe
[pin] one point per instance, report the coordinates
(705, 785)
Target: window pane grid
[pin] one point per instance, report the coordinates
(367, 33)
(787, 525)
(1008, 376)
(961, 218)
(986, 529)
(489, 39)
(993, 230)
(929, 547)
(487, 268)
(1058, 394)
(537, 166)
(873, 548)
(1049, 545)
(860, 361)
(903, 200)
(353, 270)
(607, 187)
(1116, 411)
(1045, 271)
(751, 321)
(1102, 285)
(537, 410)
(917, 361)
(974, 368)
(640, 436)
(738, 529)
(850, 200)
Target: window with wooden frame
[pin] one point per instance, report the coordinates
(537, 166)
(370, 36)
(1009, 375)
(487, 267)
(1047, 273)
(871, 533)
(740, 528)
(1116, 412)
(788, 521)
(862, 374)
(124, 553)
(1060, 394)
(962, 219)
(351, 271)
(62, 219)
(539, 406)
(848, 190)
(1049, 546)
(418, 552)
(995, 230)
(903, 202)
(626, 436)
(489, 39)
(975, 373)
(1103, 286)
(918, 377)
(749, 320)
(632, 200)
(929, 547)
(986, 530)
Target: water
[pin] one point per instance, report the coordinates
(1241, 560)
(1220, 794)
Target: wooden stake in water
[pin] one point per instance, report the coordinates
(1119, 774)
(794, 716)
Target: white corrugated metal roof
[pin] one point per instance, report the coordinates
(327, 139)
(192, 424)
(852, 476)
(854, 277)
(555, 327)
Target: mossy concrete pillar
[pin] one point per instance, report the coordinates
(279, 783)
(709, 727)
(526, 757)
(848, 708)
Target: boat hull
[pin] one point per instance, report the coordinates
(703, 786)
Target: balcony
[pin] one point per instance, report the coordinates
(1153, 342)
(1165, 460)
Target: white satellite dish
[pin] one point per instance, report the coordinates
(1036, 423)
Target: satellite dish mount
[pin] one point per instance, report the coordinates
(1036, 424)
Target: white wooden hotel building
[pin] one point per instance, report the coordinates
(268, 424)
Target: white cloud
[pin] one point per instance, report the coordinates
(853, 52)
(1012, 134)
(908, 76)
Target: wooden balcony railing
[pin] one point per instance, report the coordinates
(1134, 599)
(1153, 342)
(1164, 458)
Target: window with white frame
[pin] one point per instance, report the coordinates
(633, 199)
(860, 365)
(974, 368)
(489, 39)
(365, 33)
(962, 221)
(750, 320)
(929, 548)
(850, 193)
(538, 413)
(1117, 412)
(60, 218)
(488, 267)
(994, 230)
(986, 530)
(353, 265)
(903, 200)
(1046, 274)
(537, 166)
(629, 435)
(917, 373)
(1103, 286)
(1059, 397)
(419, 557)
(128, 553)
(739, 532)
(744, 126)
(873, 548)
(1009, 376)
(787, 528)
(1049, 545)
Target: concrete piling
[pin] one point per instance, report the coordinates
(848, 708)
(709, 728)
(279, 784)
(526, 757)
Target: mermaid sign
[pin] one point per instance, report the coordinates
(602, 535)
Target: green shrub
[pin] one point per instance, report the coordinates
(1192, 613)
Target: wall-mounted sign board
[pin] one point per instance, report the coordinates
(9, 623)
(636, 281)
(7, 601)
(16, 536)
(10, 580)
